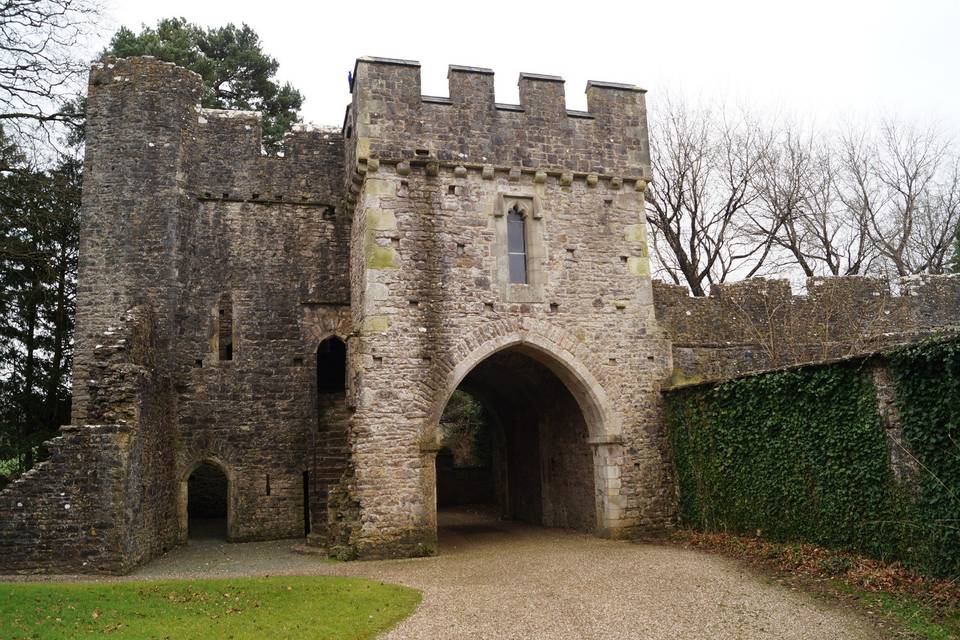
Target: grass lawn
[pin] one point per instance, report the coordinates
(294, 607)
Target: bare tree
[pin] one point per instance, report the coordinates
(799, 208)
(904, 181)
(703, 165)
(41, 44)
(836, 319)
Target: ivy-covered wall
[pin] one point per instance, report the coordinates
(801, 455)
(928, 398)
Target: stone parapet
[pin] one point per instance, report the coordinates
(760, 324)
(390, 119)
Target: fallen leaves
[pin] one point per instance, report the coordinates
(817, 563)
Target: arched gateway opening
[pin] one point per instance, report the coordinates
(515, 444)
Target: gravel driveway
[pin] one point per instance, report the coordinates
(506, 580)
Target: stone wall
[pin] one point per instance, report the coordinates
(134, 200)
(67, 513)
(760, 324)
(271, 232)
(79, 511)
(184, 217)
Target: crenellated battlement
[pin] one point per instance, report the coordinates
(758, 323)
(389, 119)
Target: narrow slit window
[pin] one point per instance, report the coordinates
(225, 328)
(517, 245)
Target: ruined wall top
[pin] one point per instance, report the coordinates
(389, 119)
(758, 324)
(223, 149)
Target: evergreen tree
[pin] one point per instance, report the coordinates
(39, 223)
(236, 73)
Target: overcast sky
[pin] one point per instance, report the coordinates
(826, 61)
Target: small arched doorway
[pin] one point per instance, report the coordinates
(533, 460)
(331, 444)
(207, 503)
(331, 366)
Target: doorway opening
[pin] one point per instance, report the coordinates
(332, 445)
(207, 505)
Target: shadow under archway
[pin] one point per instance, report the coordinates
(531, 462)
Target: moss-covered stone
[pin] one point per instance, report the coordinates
(376, 324)
(680, 379)
(382, 258)
(636, 233)
(639, 266)
(380, 220)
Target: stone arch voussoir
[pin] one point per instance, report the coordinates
(557, 349)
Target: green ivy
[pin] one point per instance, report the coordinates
(928, 397)
(801, 455)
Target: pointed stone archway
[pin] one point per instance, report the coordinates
(556, 437)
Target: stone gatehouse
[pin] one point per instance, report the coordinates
(282, 333)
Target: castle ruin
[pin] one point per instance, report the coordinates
(296, 324)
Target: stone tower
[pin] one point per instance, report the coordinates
(567, 354)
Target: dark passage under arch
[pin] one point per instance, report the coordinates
(207, 503)
(514, 441)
